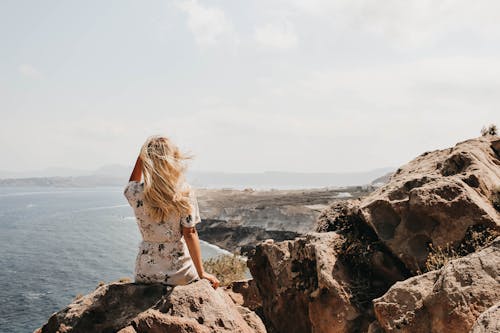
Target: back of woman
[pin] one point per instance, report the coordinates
(166, 212)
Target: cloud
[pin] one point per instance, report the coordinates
(29, 71)
(406, 24)
(281, 36)
(208, 25)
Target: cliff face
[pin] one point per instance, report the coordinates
(237, 220)
(420, 254)
(443, 205)
(435, 199)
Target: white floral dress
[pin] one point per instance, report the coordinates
(163, 254)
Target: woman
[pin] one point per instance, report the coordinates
(166, 212)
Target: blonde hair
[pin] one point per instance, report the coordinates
(163, 169)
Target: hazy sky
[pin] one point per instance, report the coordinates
(291, 85)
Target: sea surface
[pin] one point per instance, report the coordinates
(58, 242)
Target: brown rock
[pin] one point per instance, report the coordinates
(141, 308)
(153, 321)
(109, 307)
(244, 293)
(304, 287)
(252, 319)
(445, 300)
(128, 329)
(211, 308)
(488, 321)
(434, 199)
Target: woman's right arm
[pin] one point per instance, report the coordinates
(137, 172)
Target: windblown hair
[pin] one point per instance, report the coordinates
(163, 169)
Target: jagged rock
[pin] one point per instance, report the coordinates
(488, 321)
(434, 199)
(374, 327)
(237, 220)
(304, 287)
(446, 300)
(153, 321)
(244, 293)
(154, 308)
(128, 329)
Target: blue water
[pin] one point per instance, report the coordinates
(58, 242)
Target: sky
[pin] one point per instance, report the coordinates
(245, 86)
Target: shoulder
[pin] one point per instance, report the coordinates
(134, 184)
(132, 189)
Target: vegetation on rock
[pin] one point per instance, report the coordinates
(495, 198)
(226, 267)
(489, 130)
(476, 238)
(358, 251)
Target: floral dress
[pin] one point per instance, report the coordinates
(163, 254)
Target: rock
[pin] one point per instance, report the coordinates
(104, 309)
(434, 199)
(235, 237)
(488, 321)
(237, 220)
(141, 308)
(128, 329)
(375, 327)
(446, 300)
(153, 321)
(244, 293)
(495, 145)
(304, 287)
(252, 319)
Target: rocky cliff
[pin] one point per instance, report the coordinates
(416, 255)
(419, 254)
(237, 220)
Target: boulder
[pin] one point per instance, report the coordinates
(488, 321)
(304, 287)
(434, 199)
(156, 307)
(446, 300)
(244, 293)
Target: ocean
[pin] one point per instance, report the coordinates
(58, 242)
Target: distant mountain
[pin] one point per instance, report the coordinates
(283, 180)
(47, 172)
(117, 175)
(383, 179)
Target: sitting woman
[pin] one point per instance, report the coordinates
(166, 212)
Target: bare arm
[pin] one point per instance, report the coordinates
(193, 244)
(137, 172)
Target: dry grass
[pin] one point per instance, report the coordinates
(226, 267)
(438, 257)
(125, 280)
(489, 130)
(476, 238)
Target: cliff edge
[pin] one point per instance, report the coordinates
(419, 254)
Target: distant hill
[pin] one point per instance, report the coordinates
(383, 179)
(117, 175)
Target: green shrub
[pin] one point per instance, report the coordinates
(226, 267)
